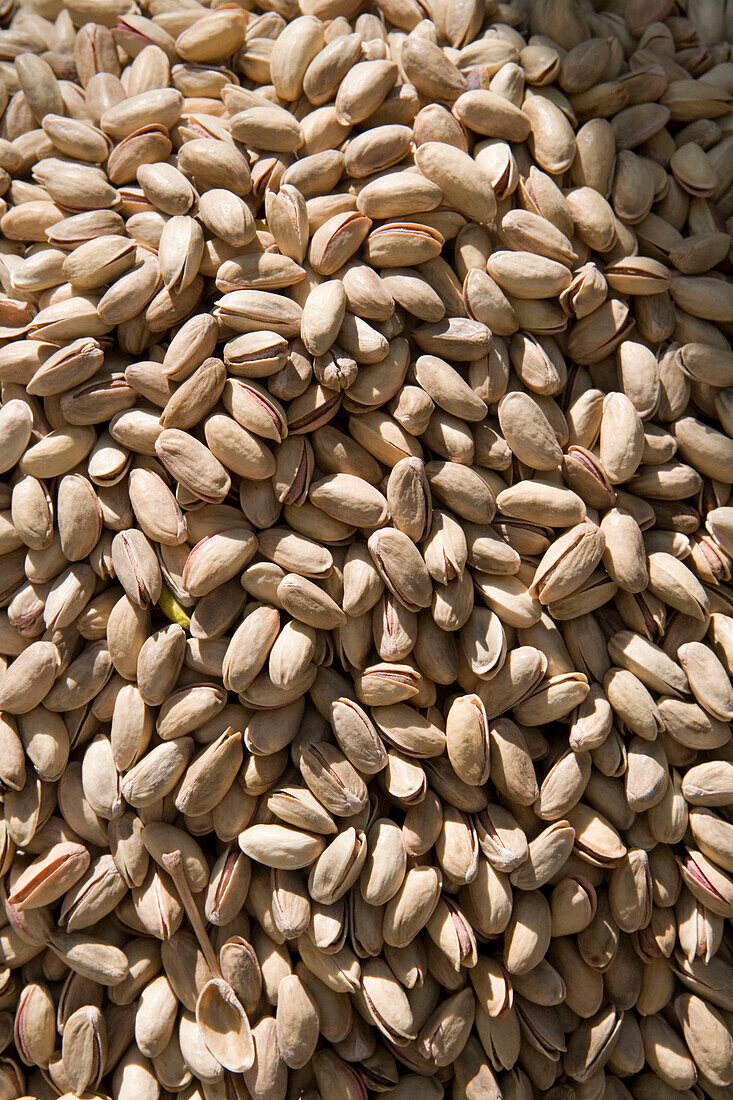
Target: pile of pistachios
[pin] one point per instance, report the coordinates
(366, 550)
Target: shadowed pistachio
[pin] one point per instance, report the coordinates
(401, 567)
(14, 765)
(707, 1037)
(408, 495)
(646, 660)
(546, 855)
(467, 739)
(27, 681)
(95, 895)
(192, 464)
(339, 970)
(309, 603)
(216, 558)
(569, 562)
(297, 806)
(706, 784)
(592, 1043)
(127, 848)
(632, 703)
(157, 773)
(357, 737)
(386, 1002)
(564, 783)
(708, 679)
(407, 730)
(706, 882)
(501, 839)
(573, 905)
(210, 775)
(462, 183)
(510, 763)
(385, 864)
(452, 934)
(241, 969)
(630, 891)
(155, 1016)
(332, 779)
(137, 567)
(249, 647)
(280, 846)
(160, 839)
(34, 1025)
(48, 877)
(523, 669)
(187, 708)
(596, 840)
(338, 867)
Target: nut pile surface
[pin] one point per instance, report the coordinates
(366, 448)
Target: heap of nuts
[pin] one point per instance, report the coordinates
(366, 550)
